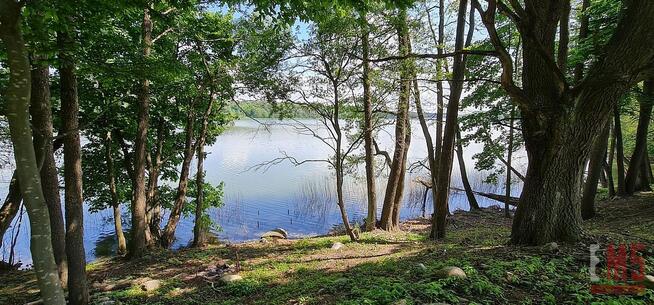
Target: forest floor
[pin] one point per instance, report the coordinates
(383, 268)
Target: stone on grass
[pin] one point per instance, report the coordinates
(280, 231)
(272, 235)
(451, 271)
(151, 285)
(648, 281)
(552, 247)
(337, 245)
(228, 278)
(400, 302)
(422, 267)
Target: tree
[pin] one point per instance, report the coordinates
(371, 219)
(442, 187)
(18, 97)
(638, 158)
(139, 230)
(395, 184)
(77, 288)
(560, 120)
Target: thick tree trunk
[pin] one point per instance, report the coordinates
(41, 112)
(640, 150)
(395, 176)
(78, 293)
(371, 219)
(470, 194)
(451, 125)
(115, 203)
(619, 148)
(11, 205)
(597, 156)
(168, 235)
(18, 99)
(138, 242)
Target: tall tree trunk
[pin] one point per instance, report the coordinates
(78, 293)
(201, 228)
(395, 176)
(472, 200)
(168, 235)
(153, 203)
(371, 219)
(451, 125)
(399, 194)
(609, 162)
(11, 205)
(440, 105)
(338, 164)
(619, 147)
(509, 157)
(640, 149)
(115, 203)
(18, 99)
(597, 156)
(41, 112)
(138, 242)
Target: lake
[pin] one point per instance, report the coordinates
(300, 199)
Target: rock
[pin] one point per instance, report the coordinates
(151, 285)
(552, 247)
(451, 271)
(280, 231)
(108, 303)
(272, 235)
(422, 267)
(228, 278)
(400, 302)
(337, 245)
(648, 281)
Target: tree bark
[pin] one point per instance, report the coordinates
(609, 163)
(395, 175)
(153, 204)
(509, 157)
(115, 203)
(168, 235)
(619, 148)
(640, 150)
(451, 125)
(138, 242)
(470, 194)
(597, 156)
(41, 112)
(371, 219)
(78, 293)
(18, 99)
(201, 229)
(11, 205)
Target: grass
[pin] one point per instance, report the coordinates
(384, 268)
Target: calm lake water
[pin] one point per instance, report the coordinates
(299, 199)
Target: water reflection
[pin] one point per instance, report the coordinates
(299, 199)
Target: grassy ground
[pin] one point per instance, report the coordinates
(384, 268)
